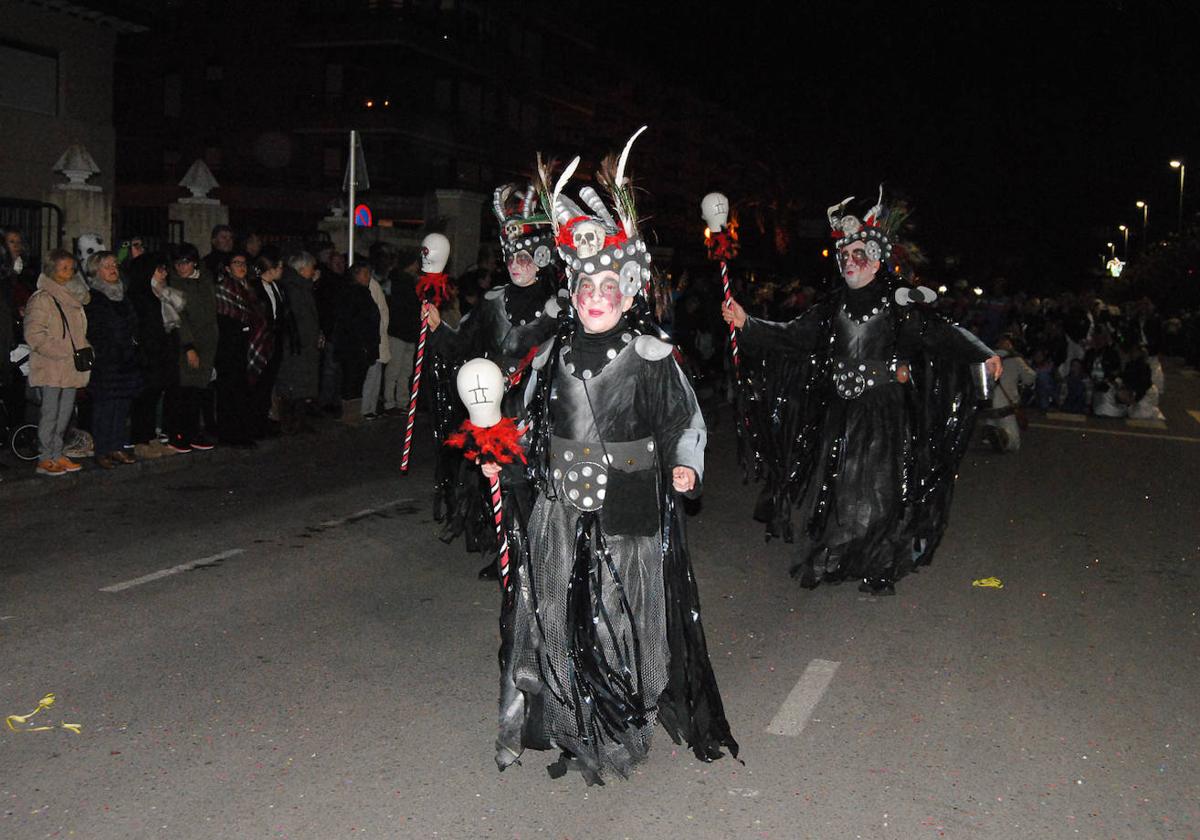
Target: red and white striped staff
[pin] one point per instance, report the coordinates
(733, 347)
(501, 534)
(432, 287)
(488, 438)
(416, 390)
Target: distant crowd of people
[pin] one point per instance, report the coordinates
(174, 352)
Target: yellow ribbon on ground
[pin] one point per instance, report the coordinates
(989, 582)
(45, 703)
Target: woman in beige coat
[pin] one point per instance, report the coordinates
(55, 327)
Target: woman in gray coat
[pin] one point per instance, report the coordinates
(300, 341)
(197, 348)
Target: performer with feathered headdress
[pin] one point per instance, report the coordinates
(876, 416)
(606, 636)
(491, 331)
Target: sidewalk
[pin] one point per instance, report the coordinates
(21, 481)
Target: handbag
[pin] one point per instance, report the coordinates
(1018, 410)
(85, 357)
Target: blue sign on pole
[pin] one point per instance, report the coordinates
(362, 216)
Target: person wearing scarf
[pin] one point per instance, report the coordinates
(244, 347)
(117, 375)
(198, 336)
(55, 327)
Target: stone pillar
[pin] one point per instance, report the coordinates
(337, 226)
(198, 213)
(458, 213)
(86, 208)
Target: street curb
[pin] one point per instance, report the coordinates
(22, 482)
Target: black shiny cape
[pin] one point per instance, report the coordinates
(794, 447)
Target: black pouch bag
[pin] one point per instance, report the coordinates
(85, 357)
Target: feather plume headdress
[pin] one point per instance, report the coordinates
(598, 239)
(871, 229)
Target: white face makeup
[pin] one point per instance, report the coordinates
(858, 267)
(522, 269)
(599, 302)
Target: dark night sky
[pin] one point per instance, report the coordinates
(1026, 129)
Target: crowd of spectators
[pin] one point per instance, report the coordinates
(1070, 352)
(253, 340)
(158, 354)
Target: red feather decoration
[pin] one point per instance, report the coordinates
(499, 444)
(722, 245)
(434, 288)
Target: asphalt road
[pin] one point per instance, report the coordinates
(336, 676)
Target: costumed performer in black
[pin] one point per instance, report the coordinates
(490, 331)
(607, 636)
(887, 404)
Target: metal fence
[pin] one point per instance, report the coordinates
(150, 224)
(41, 224)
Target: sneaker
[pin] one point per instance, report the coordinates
(179, 447)
(67, 465)
(369, 417)
(203, 444)
(50, 468)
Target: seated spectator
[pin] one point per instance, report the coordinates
(117, 375)
(1138, 393)
(1103, 364)
(1044, 385)
(1074, 396)
(55, 329)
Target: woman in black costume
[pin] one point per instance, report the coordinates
(886, 409)
(602, 633)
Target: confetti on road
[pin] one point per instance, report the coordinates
(45, 703)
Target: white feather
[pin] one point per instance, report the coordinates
(625, 157)
(562, 179)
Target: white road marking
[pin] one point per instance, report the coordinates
(798, 707)
(174, 570)
(1092, 430)
(1065, 417)
(333, 523)
(1135, 423)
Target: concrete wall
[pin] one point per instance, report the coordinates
(31, 143)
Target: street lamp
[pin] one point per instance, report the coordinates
(1112, 250)
(1178, 164)
(1125, 230)
(1145, 208)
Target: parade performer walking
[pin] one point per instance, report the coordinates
(886, 403)
(607, 636)
(492, 330)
